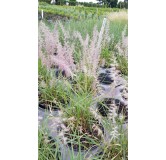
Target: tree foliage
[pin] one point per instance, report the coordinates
(123, 4)
(72, 2)
(101, 3)
(108, 3)
(47, 1)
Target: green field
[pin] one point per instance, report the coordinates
(76, 12)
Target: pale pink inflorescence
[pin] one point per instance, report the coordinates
(122, 45)
(90, 57)
(107, 37)
(49, 44)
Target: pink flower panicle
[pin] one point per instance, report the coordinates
(49, 44)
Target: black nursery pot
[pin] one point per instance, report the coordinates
(54, 106)
(104, 106)
(43, 104)
(59, 73)
(106, 66)
(105, 78)
(45, 107)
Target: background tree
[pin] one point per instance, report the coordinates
(72, 2)
(47, 1)
(57, 2)
(112, 3)
(109, 3)
(126, 4)
(60, 2)
(103, 2)
(123, 5)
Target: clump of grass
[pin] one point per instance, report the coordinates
(106, 55)
(118, 16)
(113, 151)
(47, 148)
(81, 121)
(118, 21)
(108, 45)
(79, 108)
(122, 45)
(84, 84)
(53, 91)
(43, 74)
(122, 64)
(87, 65)
(84, 26)
(115, 144)
(121, 50)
